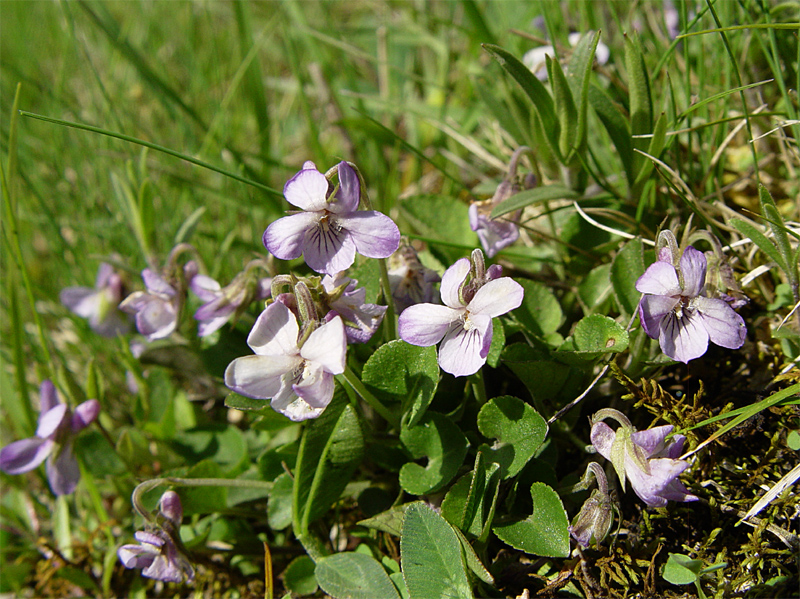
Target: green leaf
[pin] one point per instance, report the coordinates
(598, 334)
(535, 90)
(596, 286)
(464, 506)
(431, 556)
(202, 500)
(222, 444)
(761, 240)
(535, 195)
(540, 312)
(353, 575)
(401, 372)
(641, 104)
(654, 149)
(793, 440)
(543, 378)
(498, 343)
(390, 521)
(299, 576)
(578, 73)
(279, 506)
(545, 532)
(627, 267)
(681, 569)
(472, 560)
(519, 431)
(440, 441)
(566, 111)
(617, 127)
(247, 404)
(331, 450)
(443, 221)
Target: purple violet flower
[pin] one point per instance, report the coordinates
(361, 319)
(223, 303)
(56, 431)
(464, 323)
(99, 305)
(160, 554)
(411, 282)
(296, 374)
(643, 457)
(157, 309)
(494, 234)
(330, 229)
(676, 311)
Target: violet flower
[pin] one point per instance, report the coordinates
(99, 305)
(643, 457)
(56, 431)
(472, 296)
(160, 554)
(676, 311)
(158, 308)
(296, 374)
(410, 282)
(361, 319)
(330, 229)
(223, 303)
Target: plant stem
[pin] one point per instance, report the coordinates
(368, 397)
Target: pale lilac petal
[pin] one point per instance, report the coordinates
(308, 190)
(204, 287)
(725, 327)
(349, 194)
(660, 278)
(149, 538)
(284, 237)
(653, 309)
(82, 301)
(693, 271)
(48, 396)
(85, 414)
(24, 455)
(451, 281)
(652, 440)
(328, 248)
(135, 302)
(63, 472)
(684, 338)
(294, 408)
(462, 351)
(675, 449)
(170, 505)
(207, 327)
(259, 377)
(497, 297)
(426, 324)
(650, 487)
(219, 307)
(51, 420)
(105, 276)
(155, 283)
(137, 556)
(274, 332)
(157, 319)
(327, 346)
(316, 388)
(374, 234)
(112, 325)
(602, 437)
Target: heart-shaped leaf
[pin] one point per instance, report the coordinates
(518, 428)
(353, 575)
(545, 532)
(439, 440)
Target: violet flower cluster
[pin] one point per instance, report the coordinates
(330, 229)
(676, 311)
(159, 552)
(55, 434)
(472, 296)
(645, 458)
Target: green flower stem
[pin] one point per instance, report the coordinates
(479, 387)
(391, 328)
(368, 397)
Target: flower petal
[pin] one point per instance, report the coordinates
(653, 309)
(327, 346)
(157, 319)
(274, 332)
(259, 377)
(82, 301)
(155, 283)
(63, 472)
(24, 455)
(51, 420)
(315, 388)
(374, 234)
(284, 237)
(452, 279)
(308, 190)
(650, 487)
(48, 396)
(328, 248)
(660, 278)
(683, 338)
(137, 556)
(602, 437)
(204, 287)
(349, 194)
(693, 271)
(652, 440)
(725, 327)
(426, 324)
(463, 351)
(85, 414)
(497, 297)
